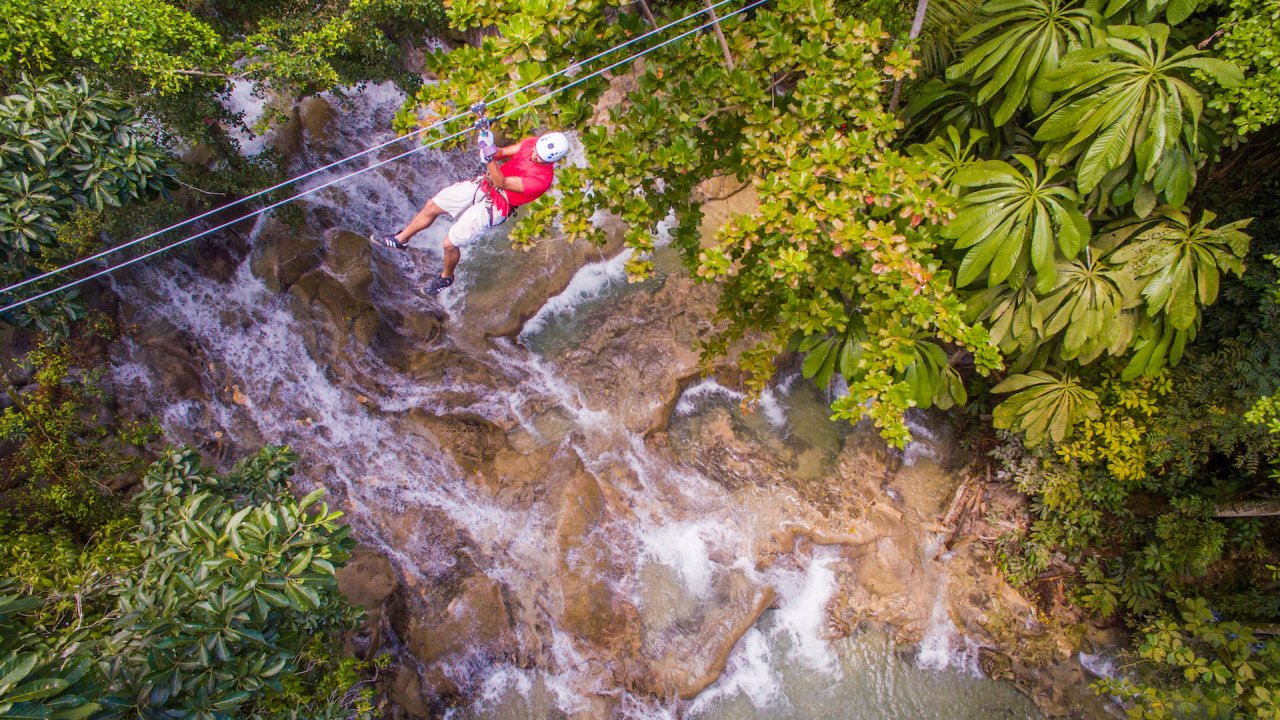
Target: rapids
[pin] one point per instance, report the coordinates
(576, 524)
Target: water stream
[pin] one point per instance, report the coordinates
(671, 552)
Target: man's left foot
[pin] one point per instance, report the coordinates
(388, 240)
(439, 284)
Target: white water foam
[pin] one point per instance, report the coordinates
(683, 547)
(751, 672)
(798, 625)
(591, 281)
(690, 399)
(774, 411)
(803, 615)
(942, 646)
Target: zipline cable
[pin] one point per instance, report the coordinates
(349, 158)
(381, 163)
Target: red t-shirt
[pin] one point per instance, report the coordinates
(537, 175)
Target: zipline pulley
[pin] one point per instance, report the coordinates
(484, 136)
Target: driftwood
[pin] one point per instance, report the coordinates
(966, 503)
(1248, 509)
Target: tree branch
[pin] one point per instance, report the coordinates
(922, 7)
(648, 14)
(724, 45)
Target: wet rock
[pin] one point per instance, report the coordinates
(635, 361)
(315, 115)
(994, 664)
(476, 621)
(452, 644)
(174, 359)
(281, 256)
(511, 287)
(218, 259)
(406, 691)
(472, 441)
(591, 611)
(368, 580)
(717, 449)
(349, 258)
(338, 320)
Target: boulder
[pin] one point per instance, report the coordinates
(333, 305)
(512, 285)
(476, 621)
(174, 359)
(315, 116)
(367, 579)
(472, 441)
(281, 256)
(406, 691)
(635, 361)
(591, 610)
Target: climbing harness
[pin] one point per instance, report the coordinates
(368, 168)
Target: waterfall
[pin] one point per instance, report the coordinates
(674, 554)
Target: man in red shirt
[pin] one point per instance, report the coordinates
(525, 172)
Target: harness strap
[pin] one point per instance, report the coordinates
(498, 200)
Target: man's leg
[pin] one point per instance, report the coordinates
(421, 221)
(469, 225)
(451, 256)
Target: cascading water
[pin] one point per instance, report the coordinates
(626, 571)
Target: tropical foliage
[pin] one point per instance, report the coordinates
(65, 148)
(1124, 101)
(1022, 42)
(218, 601)
(1008, 222)
(1250, 38)
(1196, 663)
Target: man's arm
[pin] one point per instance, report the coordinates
(496, 177)
(513, 184)
(509, 151)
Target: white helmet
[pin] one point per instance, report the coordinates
(552, 146)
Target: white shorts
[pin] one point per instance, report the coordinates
(471, 208)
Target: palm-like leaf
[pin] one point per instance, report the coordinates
(932, 380)
(1089, 308)
(826, 355)
(938, 104)
(1043, 405)
(1157, 344)
(1126, 100)
(1013, 316)
(1009, 220)
(1175, 11)
(1022, 40)
(949, 152)
(1180, 263)
(938, 40)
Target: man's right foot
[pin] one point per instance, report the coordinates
(438, 284)
(388, 240)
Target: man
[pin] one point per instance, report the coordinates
(476, 205)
